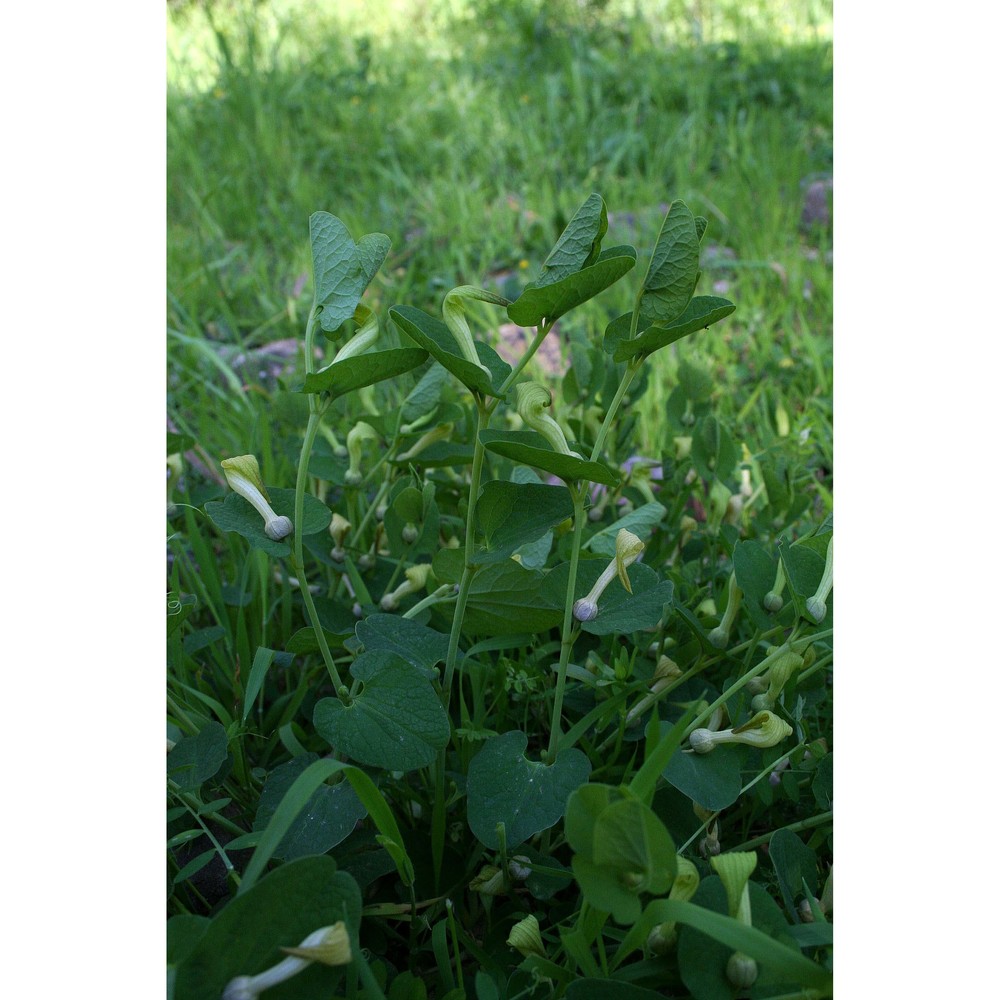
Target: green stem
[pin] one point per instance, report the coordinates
(805, 824)
(555, 729)
(630, 373)
(482, 422)
(540, 334)
(312, 427)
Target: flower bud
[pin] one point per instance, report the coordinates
(356, 438)
(416, 580)
(719, 636)
(741, 970)
(243, 475)
(519, 867)
(773, 601)
(532, 401)
(453, 310)
(364, 337)
(816, 605)
(410, 533)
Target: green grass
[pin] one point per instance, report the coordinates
(469, 132)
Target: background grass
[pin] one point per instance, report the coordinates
(469, 131)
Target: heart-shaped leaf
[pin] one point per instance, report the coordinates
(397, 722)
(552, 301)
(434, 336)
(527, 797)
(196, 758)
(342, 269)
(327, 819)
(579, 244)
(366, 369)
(236, 514)
(673, 269)
(755, 575)
(702, 311)
(513, 514)
(415, 643)
(280, 911)
(532, 449)
(506, 599)
(711, 780)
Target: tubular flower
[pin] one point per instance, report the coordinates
(816, 605)
(453, 310)
(719, 636)
(532, 401)
(664, 936)
(329, 945)
(665, 674)
(356, 438)
(765, 729)
(440, 433)
(243, 476)
(366, 335)
(773, 600)
(628, 548)
(777, 677)
(339, 527)
(489, 881)
(734, 870)
(416, 580)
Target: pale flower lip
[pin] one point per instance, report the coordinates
(243, 475)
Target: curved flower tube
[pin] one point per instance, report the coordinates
(628, 548)
(532, 401)
(765, 729)
(243, 475)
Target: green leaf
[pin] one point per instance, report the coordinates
(755, 574)
(701, 312)
(532, 449)
(793, 861)
(415, 643)
(434, 336)
(803, 570)
(640, 522)
(527, 797)
(512, 514)
(505, 599)
(397, 722)
(622, 849)
(244, 939)
(197, 758)
(822, 783)
(618, 611)
(673, 268)
(184, 930)
(327, 818)
(373, 248)
(712, 450)
(552, 301)
(342, 270)
(262, 660)
(366, 369)
(712, 780)
(236, 514)
(579, 244)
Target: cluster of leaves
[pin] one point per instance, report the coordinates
(495, 795)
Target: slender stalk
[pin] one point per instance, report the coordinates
(630, 373)
(482, 422)
(555, 729)
(312, 427)
(297, 556)
(540, 334)
(805, 824)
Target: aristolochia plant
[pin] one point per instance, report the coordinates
(493, 660)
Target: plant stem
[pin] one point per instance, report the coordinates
(630, 373)
(482, 422)
(555, 729)
(805, 824)
(540, 334)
